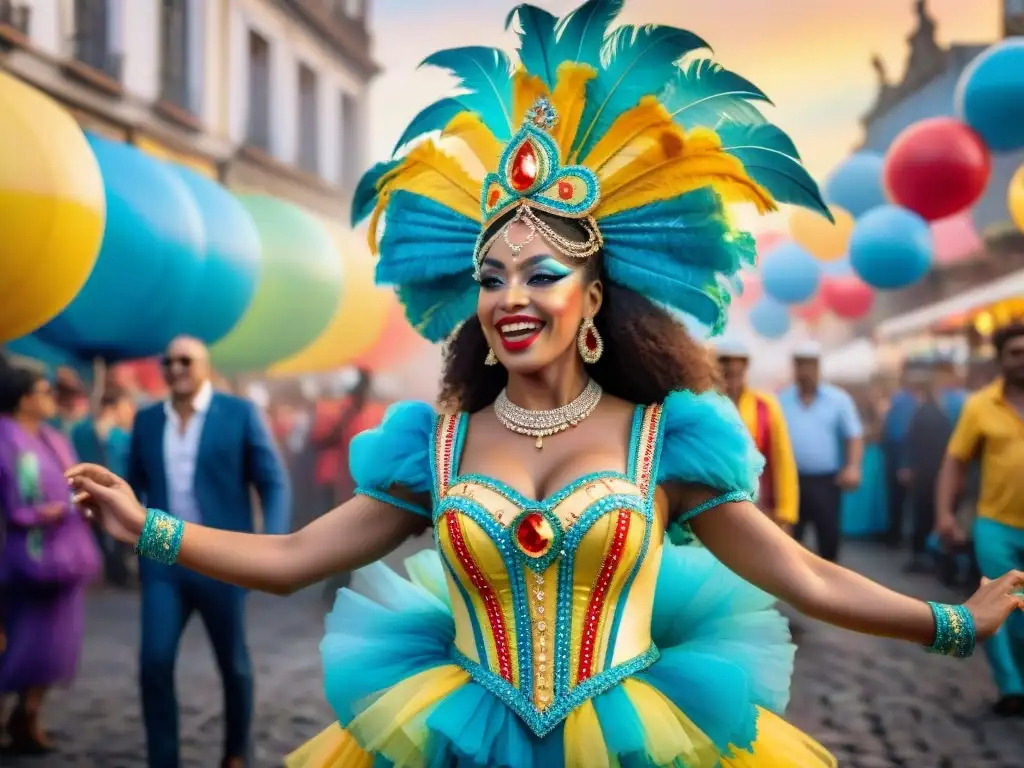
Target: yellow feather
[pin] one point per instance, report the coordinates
(676, 164)
(428, 171)
(631, 132)
(568, 99)
(526, 89)
(468, 128)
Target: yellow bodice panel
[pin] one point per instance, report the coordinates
(552, 599)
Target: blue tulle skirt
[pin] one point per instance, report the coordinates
(713, 698)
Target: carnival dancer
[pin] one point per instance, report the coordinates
(579, 421)
(778, 490)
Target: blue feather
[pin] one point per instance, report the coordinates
(486, 76)
(364, 199)
(706, 94)
(581, 33)
(432, 118)
(772, 161)
(537, 41)
(639, 61)
(437, 308)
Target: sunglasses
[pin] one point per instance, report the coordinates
(169, 361)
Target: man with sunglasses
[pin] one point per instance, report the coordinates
(197, 455)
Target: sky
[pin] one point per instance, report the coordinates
(811, 57)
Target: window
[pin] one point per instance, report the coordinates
(309, 121)
(349, 155)
(258, 128)
(97, 40)
(181, 53)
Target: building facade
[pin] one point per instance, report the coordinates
(264, 95)
(928, 89)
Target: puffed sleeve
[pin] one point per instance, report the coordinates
(395, 454)
(705, 442)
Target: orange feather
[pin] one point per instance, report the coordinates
(568, 98)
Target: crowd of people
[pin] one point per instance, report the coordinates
(951, 479)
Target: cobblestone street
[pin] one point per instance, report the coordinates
(874, 703)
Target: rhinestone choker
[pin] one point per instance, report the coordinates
(541, 424)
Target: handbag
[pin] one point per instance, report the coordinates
(55, 554)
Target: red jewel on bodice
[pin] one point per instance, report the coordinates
(534, 534)
(524, 167)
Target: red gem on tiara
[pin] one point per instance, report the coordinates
(492, 198)
(565, 190)
(524, 168)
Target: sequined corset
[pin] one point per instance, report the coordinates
(552, 599)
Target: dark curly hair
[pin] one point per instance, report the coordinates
(647, 352)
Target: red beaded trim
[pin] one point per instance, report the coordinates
(600, 592)
(486, 592)
(444, 441)
(648, 442)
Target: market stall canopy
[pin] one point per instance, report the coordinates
(1008, 287)
(854, 363)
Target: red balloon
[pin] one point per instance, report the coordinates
(398, 341)
(765, 242)
(937, 167)
(847, 297)
(811, 311)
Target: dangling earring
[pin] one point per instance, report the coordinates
(491, 359)
(589, 342)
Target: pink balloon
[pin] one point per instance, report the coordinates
(848, 297)
(812, 311)
(955, 238)
(766, 241)
(751, 291)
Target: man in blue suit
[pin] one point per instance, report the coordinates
(197, 456)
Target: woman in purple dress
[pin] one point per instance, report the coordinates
(48, 556)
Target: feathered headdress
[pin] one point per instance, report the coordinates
(626, 130)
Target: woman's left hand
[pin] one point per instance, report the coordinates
(994, 601)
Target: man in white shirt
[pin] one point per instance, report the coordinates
(197, 456)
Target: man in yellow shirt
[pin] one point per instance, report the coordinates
(991, 429)
(779, 494)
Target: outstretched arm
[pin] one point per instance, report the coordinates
(749, 544)
(356, 533)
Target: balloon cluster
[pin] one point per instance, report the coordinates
(109, 251)
(897, 214)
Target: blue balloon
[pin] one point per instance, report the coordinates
(49, 356)
(231, 268)
(856, 185)
(790, 275)
(136, 299)
(769, 318)
(891, 247)
(990, 95)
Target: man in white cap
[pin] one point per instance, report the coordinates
(760, 411)
(828, 444)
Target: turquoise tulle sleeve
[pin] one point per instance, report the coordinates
(395, 454)
(706, 442)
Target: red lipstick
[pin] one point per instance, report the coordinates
(518, 332)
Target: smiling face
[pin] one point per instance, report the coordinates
(531, 304)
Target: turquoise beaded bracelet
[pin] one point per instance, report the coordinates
(954, 630)
(160, 539)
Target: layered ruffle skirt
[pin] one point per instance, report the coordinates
(713, 698)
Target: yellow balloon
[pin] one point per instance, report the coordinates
(52, 208)
(820, 237)
(362, 314)
(1015, 198)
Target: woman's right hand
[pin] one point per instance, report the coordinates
(103, 494)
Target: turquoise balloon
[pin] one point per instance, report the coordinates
(791, 275)
(136, 299)
(299, 285)
(231, 269)
(891, 248)
(856, 185)
(990, 95)
(769, 318)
